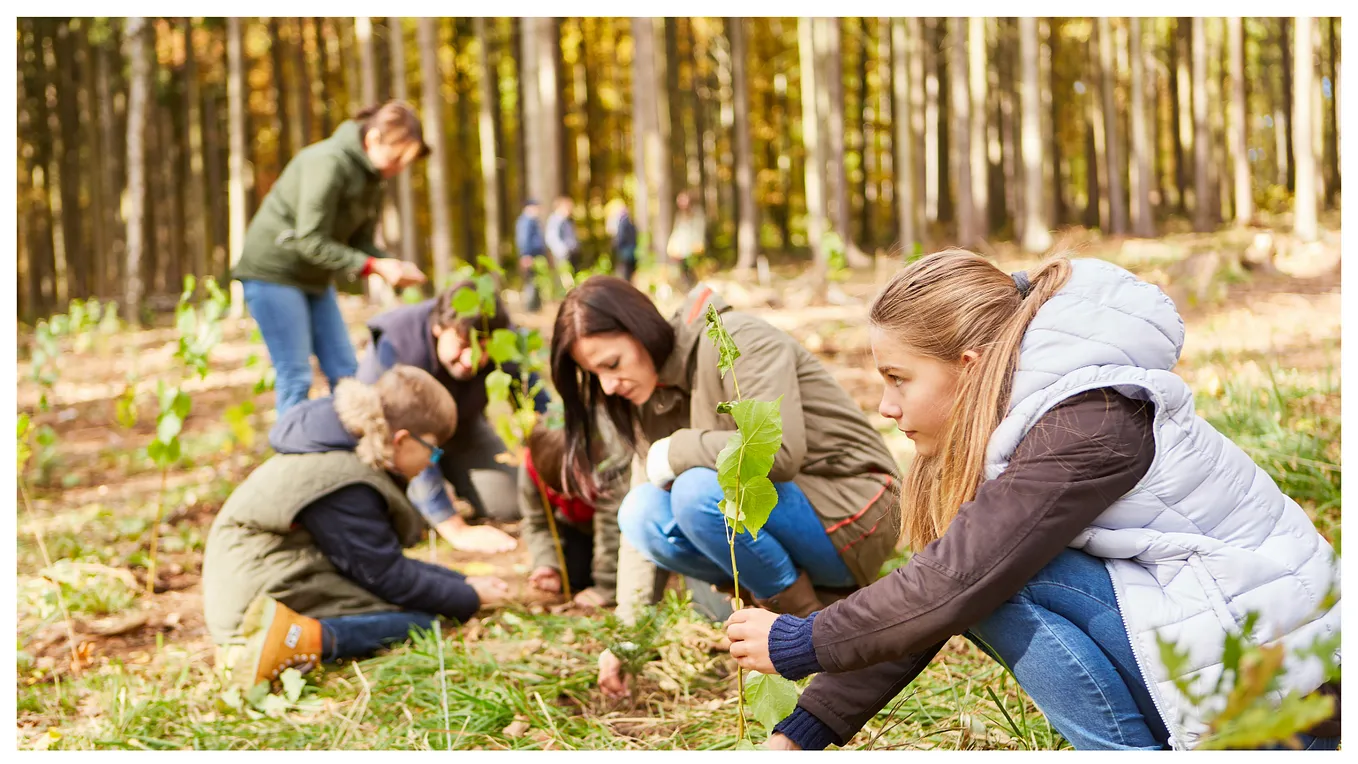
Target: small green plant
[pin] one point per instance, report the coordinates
(23, 452)
(200, 330)
(749, 498)
(637, 643)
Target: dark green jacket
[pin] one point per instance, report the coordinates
(255, 546)
(318, 219)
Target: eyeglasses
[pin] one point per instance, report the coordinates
(435, 453)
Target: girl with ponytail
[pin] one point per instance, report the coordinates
(1067, 510)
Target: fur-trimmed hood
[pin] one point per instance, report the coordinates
(351, 420)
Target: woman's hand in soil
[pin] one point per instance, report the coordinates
(489, 589)
(484, 539)
(611, 679)
(780, 742)
(590, 599)
(545, 579)
(748, 631)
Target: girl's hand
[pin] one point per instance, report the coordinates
(780, 742)
(748, 630)
(611, 679)
(411, 275)
(545, 579)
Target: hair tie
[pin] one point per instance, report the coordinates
(1024, 285)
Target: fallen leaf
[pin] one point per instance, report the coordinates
(476, 568)
(107, 627)
(516, 728)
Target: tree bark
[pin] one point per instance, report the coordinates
(320, 87)
(486, 106)
(747, 224)
(932, 181)
(833, 71)
(1202, 195)
(980, 164)
(138, 97)
(815, 166)
(41, 247)
(967, 235)
(1318, 142)
(1304, 201)
(109, 148)
(902, 51)
(1335, 183)
(405, 194)
(1183, 112)
(1217, 100)
(236, 173)
(1143, 223)
(75, 250)
(1279, 100)
(1036, 236)
(1286, 35)
(195, 202)
(367, 60)
(89, 121)
(1244, 192)
(1117, 203)
(285, 126)
(431, 110)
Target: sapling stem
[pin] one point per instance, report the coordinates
(155, 532)
(556, 538)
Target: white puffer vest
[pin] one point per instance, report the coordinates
(1206, 536)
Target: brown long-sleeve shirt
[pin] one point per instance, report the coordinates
(1076, 461)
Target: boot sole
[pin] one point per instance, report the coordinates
(254, 626)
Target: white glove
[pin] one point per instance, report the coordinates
(658, 469)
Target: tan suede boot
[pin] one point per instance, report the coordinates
(799, 599)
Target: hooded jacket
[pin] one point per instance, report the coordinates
(318, 219)
(321, 529)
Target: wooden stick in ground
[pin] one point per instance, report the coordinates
(47, 563)
(155, 533)
(556, 538)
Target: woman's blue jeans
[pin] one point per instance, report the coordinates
(1063, 638)
(295, 325)
(682, 530)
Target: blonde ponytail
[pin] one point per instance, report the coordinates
(360, 411)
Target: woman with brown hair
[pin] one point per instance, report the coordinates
(657, 381)
(304, 562)
(317, 222)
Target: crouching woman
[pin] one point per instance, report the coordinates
(304, 563)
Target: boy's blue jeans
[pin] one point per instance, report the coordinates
(295, 325)
(682, 530)
(358, 636)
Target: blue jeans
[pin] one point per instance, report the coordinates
(358, 636)
(1063, 639)
(296, 324)
(682, 530)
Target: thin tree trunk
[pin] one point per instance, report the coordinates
(1304, 201)
(195, 200)
(1143, 223)
(663, 167)
(839, 178)
(218, 233)
(1202, 195)
(815, 166)
(367, 60)
(284, 124)
(431, 110)
(967, 235)
(1318, 118)
(980, 165)
(320, 88)
(302, 91)
(68, 114)
(89, 120)
(1281, 107)
(1098, 169)
(405, 194)
(139, 60)
(1117, 194)
(1010, 79)
(41, 245)
(918, 87)
(486, 106)
(747, 223)
(112, 221)
(1239, 130)
(643, 127)
(549, 50)
(1036, 236)
(904, 138)
(1334, 186)
(1051, 188)
(932, 182)
(1183, 112)
(1289, 97)
(236, 180)
(1218, 104)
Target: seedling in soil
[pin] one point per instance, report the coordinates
(743, 473)
(23, 453)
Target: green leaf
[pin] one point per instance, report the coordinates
(293, 682)
(490, 265)
(23, 426)
(748, 457)
(273, 705)
(744, 744)
(466, 302)
(231, 699)
(257, 694)
(727, 352)
(503, 346)
(771, 698)
(168, 426)
(126, 408)
(497, 386)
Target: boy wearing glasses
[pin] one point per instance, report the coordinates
(305, 563)
(431, 336)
